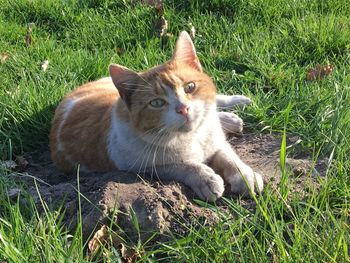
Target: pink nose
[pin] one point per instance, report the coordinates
(182, 109)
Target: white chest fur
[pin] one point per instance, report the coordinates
(129, 152)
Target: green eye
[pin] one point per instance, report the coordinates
(190, 87)
(157, 103)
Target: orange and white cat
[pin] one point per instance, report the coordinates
(163, 121)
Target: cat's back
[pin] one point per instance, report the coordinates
(81, 124)
(99, 87)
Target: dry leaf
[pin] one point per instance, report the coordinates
(21, 162)
(4, 57)
(159, 7)
(119, 51)
(45, 65)
(319, 72)
(192, 31)
(129, 255)
(161, 26)
(100, 237)
(28, 38)
(150, 2)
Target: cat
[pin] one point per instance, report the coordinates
(163, 122)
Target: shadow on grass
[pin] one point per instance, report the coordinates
(27, 135)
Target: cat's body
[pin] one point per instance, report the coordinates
(163, 122)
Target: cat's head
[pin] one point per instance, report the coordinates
(176, 96)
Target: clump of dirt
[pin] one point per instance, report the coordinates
(140, 206)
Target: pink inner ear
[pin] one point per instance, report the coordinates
(117, 71)
(185, 52)
(121, 77)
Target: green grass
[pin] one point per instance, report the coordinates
(260, 48)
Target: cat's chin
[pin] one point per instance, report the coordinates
(186, 127)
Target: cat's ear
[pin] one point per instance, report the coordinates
(185, 51)
(123, 78)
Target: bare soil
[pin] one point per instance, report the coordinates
(158, 206)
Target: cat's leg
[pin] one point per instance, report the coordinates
(201, 178)
(239, 175)
(227, 101)
(230, 122)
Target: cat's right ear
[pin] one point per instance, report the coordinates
(123, 78)
(185, 51)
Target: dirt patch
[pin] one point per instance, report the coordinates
(262, 153)
(141, 206)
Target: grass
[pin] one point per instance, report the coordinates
(260, 48)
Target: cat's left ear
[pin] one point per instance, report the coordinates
(185, 51)
(123, 78)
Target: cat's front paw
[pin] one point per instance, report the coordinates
(246, 181)
(230, 122)
(210, 186)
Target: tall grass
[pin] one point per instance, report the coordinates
(260, 48)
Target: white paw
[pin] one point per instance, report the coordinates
(246, 181)
(240, 100)
(210, 186)
(230, 122)
(225, 101)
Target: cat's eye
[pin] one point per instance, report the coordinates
(190, 87)
(157, 103)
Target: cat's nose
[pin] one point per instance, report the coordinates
(182, 109)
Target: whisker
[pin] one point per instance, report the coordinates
(155, 155)
(149, 147)
(150, 151)
(145, 148)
